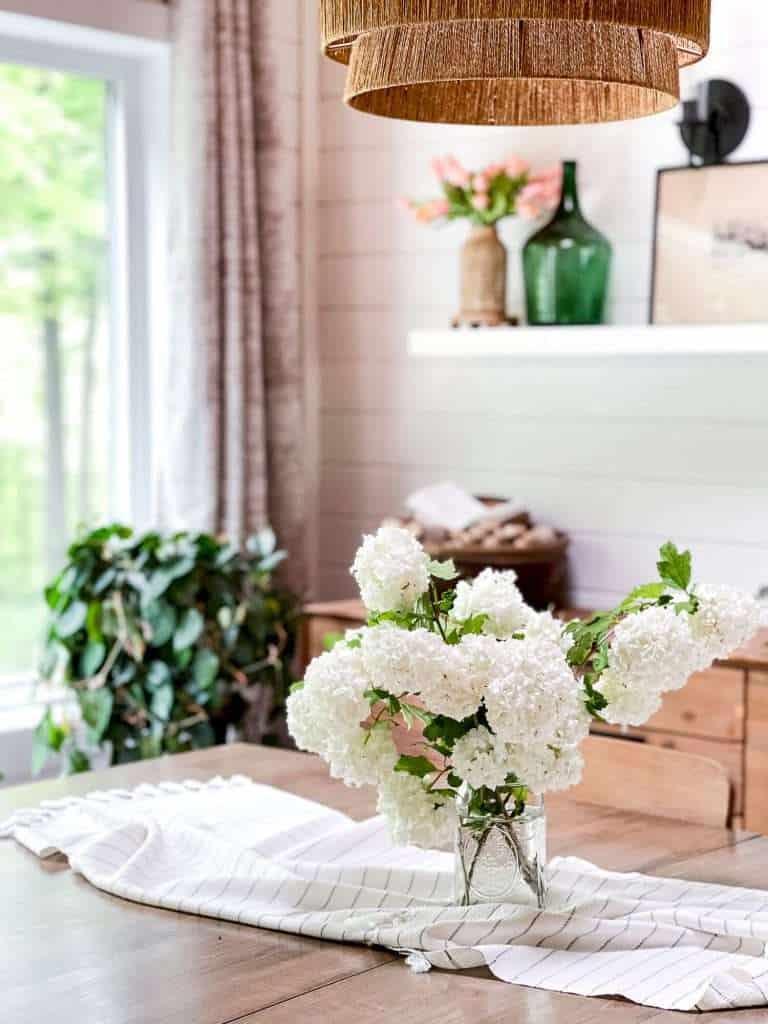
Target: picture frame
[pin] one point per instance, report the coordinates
(710, 245)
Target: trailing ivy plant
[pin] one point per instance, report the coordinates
(165, 641)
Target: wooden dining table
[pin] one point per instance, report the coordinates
(71, 954)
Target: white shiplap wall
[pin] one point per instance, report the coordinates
(620, 454)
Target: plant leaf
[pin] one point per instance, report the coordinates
(443, 570)
(96, 707)
(205, 668)
(674, 566)
(71, 619)
(92, 659)
(161, 703)
(188, 630)
(418, 766)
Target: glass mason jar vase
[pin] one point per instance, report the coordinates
(500, 858)
(567, 265)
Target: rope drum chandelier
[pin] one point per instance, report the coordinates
(514, 62)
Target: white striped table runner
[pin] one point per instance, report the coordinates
(243, 852)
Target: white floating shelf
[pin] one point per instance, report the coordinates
(592, 342)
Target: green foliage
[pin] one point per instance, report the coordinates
(591, 638)
(164, 639)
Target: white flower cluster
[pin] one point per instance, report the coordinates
(325, 717)
(391, 570)
(517, 706)
(656, 650)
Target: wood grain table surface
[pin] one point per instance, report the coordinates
(70, 954)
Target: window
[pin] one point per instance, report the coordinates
(82, 288)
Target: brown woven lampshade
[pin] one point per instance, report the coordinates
(512, 72)
(686, 22)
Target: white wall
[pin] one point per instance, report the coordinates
(620, 455)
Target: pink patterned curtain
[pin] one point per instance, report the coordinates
(233, 460)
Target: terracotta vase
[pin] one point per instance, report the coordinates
(483, 280)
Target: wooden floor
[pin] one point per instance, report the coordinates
(74, 955)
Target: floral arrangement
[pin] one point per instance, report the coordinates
(495, 696)
(487, 196)
(166, 641)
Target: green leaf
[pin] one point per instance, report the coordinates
(331, 639)
(189, 629)
(649, 591)
(161, 619)
(104, 581)
(296, 687)
(674, 566)
(159, 674)
(447, 730)
(71, 619)
(48, 737)
(161, 703)
(96, 707)
(78, 762)
(205, 668)
(418, 766)
(443, 570)
(92, 659)
(93, 621)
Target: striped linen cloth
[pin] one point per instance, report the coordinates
(235, 850)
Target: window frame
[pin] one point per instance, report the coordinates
(137, 71)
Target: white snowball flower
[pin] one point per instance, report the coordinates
(629, 703)
(535, 697)
(391, 570)
(363, 758)
(546, 769)
(397, 659)
(653, 650)
(481, 759)
(415, 817)
(726, 619)
(326, 713)
(544, 624)
(496, 595)
(449, 679)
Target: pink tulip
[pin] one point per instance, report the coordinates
(494, 170)
(516, 167)
(455, 174)
(438, 168)
(551, 175)
(481, 183)
(404, 203)
(481, 201)
(441, 207)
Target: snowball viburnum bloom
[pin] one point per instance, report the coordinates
(653, 650)
(726, 619)
(546, 769)
(414, 816)
(391, 569)
(535, 697)
(495, 595)
(481, 759)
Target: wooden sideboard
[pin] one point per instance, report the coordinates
(722, 713)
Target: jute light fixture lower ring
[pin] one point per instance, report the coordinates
(686, 22)
(496, 72)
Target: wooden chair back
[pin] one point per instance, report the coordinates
(644, 779)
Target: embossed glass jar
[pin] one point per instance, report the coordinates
(500, 858)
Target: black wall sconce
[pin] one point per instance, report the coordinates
(715, 123)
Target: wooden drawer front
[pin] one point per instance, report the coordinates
(756, 800)
(729, 754)
(710, 706)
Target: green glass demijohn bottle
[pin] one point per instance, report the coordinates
(567, 265)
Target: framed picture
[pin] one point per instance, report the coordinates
(710, 252)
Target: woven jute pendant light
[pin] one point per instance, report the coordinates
(513, 72)
(686, 22)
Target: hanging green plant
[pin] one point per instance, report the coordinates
(167, 641)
